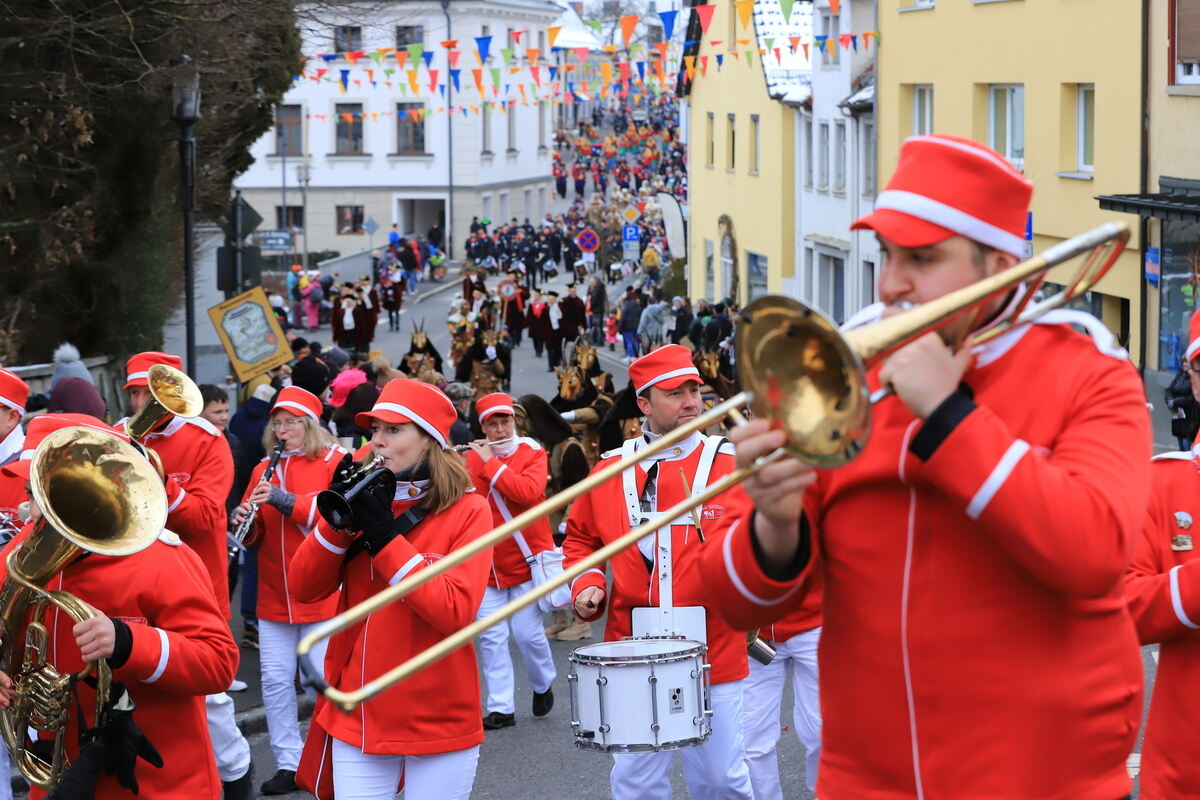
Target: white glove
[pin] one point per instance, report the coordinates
(491, 352)
(569, 416)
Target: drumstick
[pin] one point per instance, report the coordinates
(695, 516)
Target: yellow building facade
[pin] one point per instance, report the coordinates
(741, 179)
(1049, 83)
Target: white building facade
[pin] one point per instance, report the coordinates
(354, 141)
(836, 166)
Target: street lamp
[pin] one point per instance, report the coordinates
(303, 176)
(185, 110)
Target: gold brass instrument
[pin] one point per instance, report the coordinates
(801, 372)
(97, 494)
(172, 393)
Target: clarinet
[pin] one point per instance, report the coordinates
(237, 539)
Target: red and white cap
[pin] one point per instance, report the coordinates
(13, 391)
(137, 368)
(422, 404)
(667, 368)
(494, 403)
(298, 402)
(1193, 348)
(946, 186)
(42, 426)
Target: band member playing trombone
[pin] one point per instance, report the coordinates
(159, 628)
(287, 512)
(198, 465)
(511, 473)
(418, 507)
(668, 393)
(1163, 598)
(975, 641)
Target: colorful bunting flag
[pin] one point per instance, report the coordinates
(744, 10)
(668, 22)
(552, 34)
(704, 13)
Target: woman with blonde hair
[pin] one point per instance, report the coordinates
(429, 728)
(287, 511)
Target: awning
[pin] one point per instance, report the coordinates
(1175, 207)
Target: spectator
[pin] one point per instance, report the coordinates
(680, 319)
(630, 318)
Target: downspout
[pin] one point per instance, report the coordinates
(1143, 185)
(449, 233)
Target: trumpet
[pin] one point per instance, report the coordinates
(337, 509)
(237, 539)
(801, 372)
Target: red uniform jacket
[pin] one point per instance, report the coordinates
(520, 481)
(437, 710)
(975, 633)
(279, 536)
(199, 467)
(1163, 587)
(601, 516)
(182, 651)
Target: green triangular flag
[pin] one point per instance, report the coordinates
(786, 6)
(495, 76)
(508, 54)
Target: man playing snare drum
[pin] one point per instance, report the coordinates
(668, 393)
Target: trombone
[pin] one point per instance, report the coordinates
(801, 372)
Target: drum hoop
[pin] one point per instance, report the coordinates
(678, 744)
(603, 661)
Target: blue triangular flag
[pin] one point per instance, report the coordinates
(454, 73)
(483, 44)
(428, 56)
(668, 21)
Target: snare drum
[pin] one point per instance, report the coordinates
(640, 695)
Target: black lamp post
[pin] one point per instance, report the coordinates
(185, 110)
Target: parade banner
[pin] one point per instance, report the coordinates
(250, 334)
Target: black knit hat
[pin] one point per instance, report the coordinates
(311, 374)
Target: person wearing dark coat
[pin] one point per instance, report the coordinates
(574, 314)
(719, 327)
(538, 322)
(597, 309)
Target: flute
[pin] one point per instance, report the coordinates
(462, 448)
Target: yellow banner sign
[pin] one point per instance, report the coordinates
(251, 334)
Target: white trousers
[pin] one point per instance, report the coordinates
(230, 748)
(764, 697)
(5, 769)
(441, 776)
(716, 770)
(278, 664)
(497, 665)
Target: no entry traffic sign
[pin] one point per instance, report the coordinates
(588, 241)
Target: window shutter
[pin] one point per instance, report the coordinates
(1187, 30)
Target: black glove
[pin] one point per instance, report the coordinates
(342, 477)
(373, 512)
(113, 747)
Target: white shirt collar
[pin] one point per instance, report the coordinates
(12, 444)
(411, 490)
(680, 451)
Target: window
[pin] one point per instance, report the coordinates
(349, 219)
(922, 110)
(808, 274)
(528, 203)
(756, 264)
(1006, 122)
(289, 131)
(754, 143)
(839, 156)
(487, 207)
(510, 118)
(294, 221)
(410, 128)
(866, 147)
(823, 157)
(709, 147)
(1187, 41)
(831, 279)
(730, 141)
(347, 38)
(808, 151)
(486, 121)
(727, 250)
(541, 126)
(504, 207)
(830, 29)
(541, 202)
(349, 129)
(409, 34)
(868, 282)
(709, 274)
(1086, 127)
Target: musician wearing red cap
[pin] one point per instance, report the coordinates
(510, 471)
(976, 641)
(199, 474)
(429, 727)
(14, 392)
(160, 629)
(1163, 587)
(287, 513)
(667, 386)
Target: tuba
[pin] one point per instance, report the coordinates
(172, 393)
(97, 494)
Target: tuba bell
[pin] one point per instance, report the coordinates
(96, 494)
(172, 394)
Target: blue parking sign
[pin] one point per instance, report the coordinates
(630, 233)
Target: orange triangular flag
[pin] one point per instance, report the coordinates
(744, 9)
(628, 23)
(552, 33)
(533, 54)
(834, 5)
